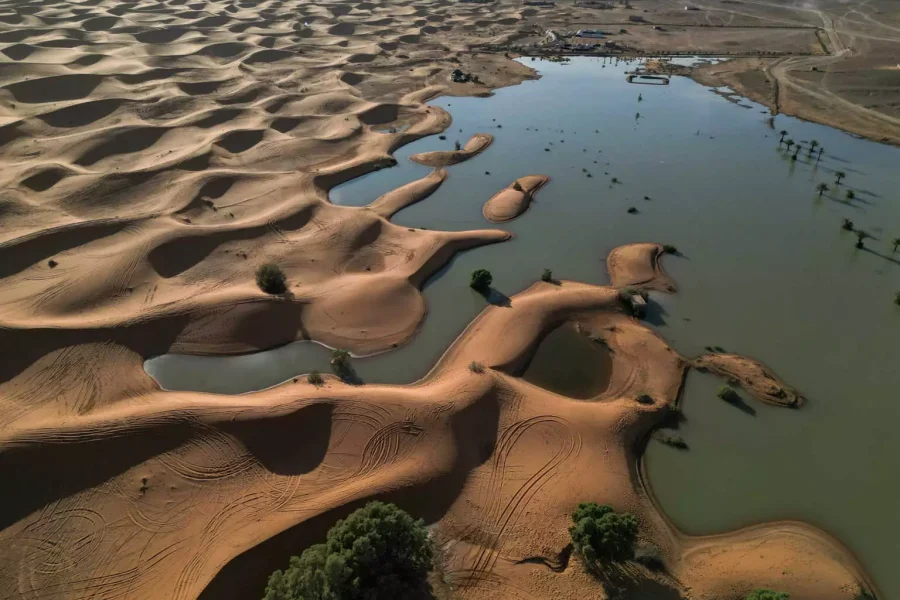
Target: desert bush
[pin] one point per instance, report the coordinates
(649, 556)
(518, 187)
(547, 276)
(315, 378)
(645, 399)
(340, 362)
(599, 533)
(481, 280)
(378, 552)
(476, 367)
(271, 279)
(670, 249)
(762, 594)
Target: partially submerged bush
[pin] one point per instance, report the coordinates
(675, 441)
(728, 394)
(847, 225)
(476, 367)
(601, 534)
(340, 362)
(547, 276)
(271, 279)
(763, 594)
(379, 551)
(315, 378)
(481, 280)
(669, 249)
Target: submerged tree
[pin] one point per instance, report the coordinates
(822, 188)
(797, 151)
(812, 146)
(481, 280)
(782, 133)
(789, 143)
(847, 225)
(860, 236)
(839, 175)
(896, 242)
(850, 194)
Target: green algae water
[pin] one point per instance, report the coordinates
(765, 270)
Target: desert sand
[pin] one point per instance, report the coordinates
(154, 154)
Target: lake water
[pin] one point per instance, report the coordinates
(766, 271)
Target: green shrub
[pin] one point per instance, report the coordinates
(847, 225)
(645, 399)
(340, 362)
(379, 551)
(476, 367)
(670, 249)
(675, 441)
(518, 187)
(767, 595)
(650, 556)
(315, 378)
(481, 280)
(728, 394)
(270, 279)
(599, 533)
(547, 276)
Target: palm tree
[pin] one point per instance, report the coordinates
(896, 242)
(860, 236)
(782, 133)
(851, 195)
(847, 225)
(822, 188)
(789, 142)
(812, 146)
(797, 151)
(840, 175)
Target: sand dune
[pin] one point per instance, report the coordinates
(154, 154)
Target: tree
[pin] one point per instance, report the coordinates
(782, 133)
(860, 236)
(271, 279)
(518, 187)
(600, 533)
(840, 175)
(481, 280)
(763, 594)
(340, 363)
(896, 242)
(457, 145)
(789, 143)
(547, 276)
(822, 188)
(847, 225)
(797, 151)
(850, 194)
(378, 552)
(812, 146)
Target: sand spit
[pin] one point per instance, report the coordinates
(442, 158)
(195, 495)
(759, 381)
(638, 265)
(513, 200)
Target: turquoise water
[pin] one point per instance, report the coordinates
(766, 271)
